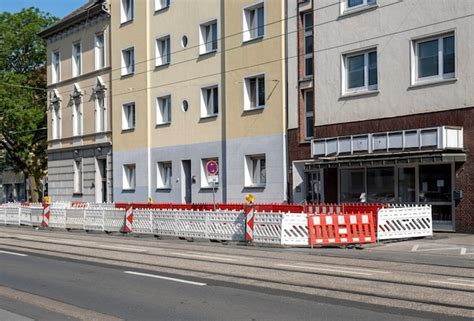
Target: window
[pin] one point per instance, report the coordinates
(56, 67)
(349, 5)
(352, 185)
(128, 116)
(163, 110)
(164, 171)
(308, 114)
(99, 51)
(208, 37)
(77, 176)
(161, 4)
(128, 61)
(360, 71)
(434, 58)
(77, 117)
(206, 180)
(100, 112)
(209, 101)
(256, 173)
(308, 43)
(126, 10)
(56, 121)
(76, 60)
(254, 92)
(163, 54)
(253, 22)
(128, 182)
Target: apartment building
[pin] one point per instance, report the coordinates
(198, 81)
(394, 115)
(79, 100)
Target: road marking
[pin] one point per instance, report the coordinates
(415, 247)
(334, 269)
(13, 253)
(205, 256)
(165, 278)
(453, 283)
(462, 250)
(124, 248)
(462, 280)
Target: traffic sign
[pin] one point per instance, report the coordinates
(212, 167)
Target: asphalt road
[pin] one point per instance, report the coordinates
(62, 276)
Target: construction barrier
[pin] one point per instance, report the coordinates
(341, 229)
(404, 221)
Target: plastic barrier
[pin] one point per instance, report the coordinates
(294, 230)
(114, 219)
(75, 218)
(341, 229)
(93, 219)
(404, 221)
(267, 227)
(12, 213)
(36, 214)
(3, 215)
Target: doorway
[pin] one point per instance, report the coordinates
(101, 181)
(186, 181)
(315, 187)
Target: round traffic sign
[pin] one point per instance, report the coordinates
(212, 167)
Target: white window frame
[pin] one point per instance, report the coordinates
(345, 77)
(127, 15)
(208, 44)
(100, 112)
(308, 114)
(164, 171)
(56, 121)
(204, 175)
(129, 177)
(163, 53)
(56, 67)
(128, 69)
(129, 120)
(208, 106)
(76, 59)
(77, 117)
(100, 51)
(364, 5)
(161, 4)
(253, 168)
(308, 32)
(163, 110)
(251, 27)
(414, 59)
(248, 94)
(78, 176)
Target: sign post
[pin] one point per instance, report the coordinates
(212, 169)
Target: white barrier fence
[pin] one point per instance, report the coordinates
(401, 221)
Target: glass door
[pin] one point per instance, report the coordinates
(407, 185)
(315, 188)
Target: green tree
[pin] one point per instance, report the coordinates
(23, 95)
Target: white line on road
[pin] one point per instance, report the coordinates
(440, 249)
(13, 253)
(453, 283)
(124, 248)
(462, 280)
(165, 278)
(334, 269)
(206, 256)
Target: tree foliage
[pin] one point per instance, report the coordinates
(23, 94)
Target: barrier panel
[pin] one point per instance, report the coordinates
(3, 215)
(12, 214)
(190, 224)
(114, 219)
(25, 215)
(36, 214)
(294, 229)
(226, 225)
(407, 221)
(93, 219)
(163, 222)
(75, 218)
(267, 227)
(57, 218)
(142, 221)
(340, 229)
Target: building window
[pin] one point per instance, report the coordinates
(163, 54)
(77, 176)
(164, 171)
(126, 10)
(209, 101)
(254, 92)
(128, 61)
(434, 58)
(254, 22)
(255, 171)
(56, 121)
(163, 110)
(206, 179)
(128, 116)
(76, 60)
(77, 117)
(129, 171)
(360, 71)
(349, 5)
(308, 43)
(308, 114)
(56, 67)
(99, 51)
(100, 112)
(208, 37)
(161, 4)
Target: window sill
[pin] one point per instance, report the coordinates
(124, 76)
(255, 39)
(260, 108)
(434, 82)
(77, 194)
(207, 53)
(164, 188)
(164, 65)
(207, 188)
(360, 94)
(256, 186)
(128, 190)
(164, 124)
(128, 130)
(350, 12)
(160, 10)
(124, 23)
(209, 116)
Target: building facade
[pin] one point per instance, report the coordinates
(393, 107)
(79, 113)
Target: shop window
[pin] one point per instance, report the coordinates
(352, 185)
(435, 183)
(380, 185)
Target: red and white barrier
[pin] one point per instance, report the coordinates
(46, 215)
(249, 223)
(128, 219)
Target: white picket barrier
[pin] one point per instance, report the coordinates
(93, 219)
(267, 227)
(164, 222)
(3, 215)
(114, 219)
(12, 213)
(226, 225)
(142, 221)
(57, 218)
(25, 215)
(75, 218)
(294, 229)
(190, 223)
(398, 222)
